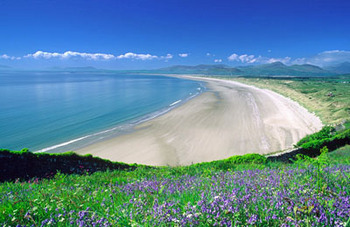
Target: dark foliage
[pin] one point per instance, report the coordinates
(26, 165)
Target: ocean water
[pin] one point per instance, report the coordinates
(57, 112)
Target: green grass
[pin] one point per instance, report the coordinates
(313, 94)
(325, 133)
(328, 136)
(242, 190)
(341, 155)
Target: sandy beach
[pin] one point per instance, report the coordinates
(229, 119)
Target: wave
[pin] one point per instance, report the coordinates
(118, 130)
(174, 103)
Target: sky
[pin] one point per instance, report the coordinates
(147, 34)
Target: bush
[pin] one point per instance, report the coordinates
(332, 143)
(326, 132)
(25, 165)
(247, 158)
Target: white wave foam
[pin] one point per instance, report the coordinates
(78, 139)
(124, 126)
(61, 144)
(174, 103)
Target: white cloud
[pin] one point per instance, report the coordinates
(68, 54)
(131, 55)
(247, 58)
(143, 57)
(300, 61)
(284, 60)
(218, 60)
(168, 56)
(184, 55)
(7, 57)
(94, 56)
(326, 58)
(233, 57)
(244, 58)
(208, 54)
(250, 59)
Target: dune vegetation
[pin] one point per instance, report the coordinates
(328, 98)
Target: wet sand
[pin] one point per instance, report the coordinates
(229, 119)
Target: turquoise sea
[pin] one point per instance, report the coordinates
(57, 112)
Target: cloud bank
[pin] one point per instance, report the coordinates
(326, 58)
(70, 54)
(94, 56)
(7, 57)
(131, 55)
(244, 58)
(250, 59)
(323, 59)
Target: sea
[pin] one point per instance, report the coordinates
(64, 111)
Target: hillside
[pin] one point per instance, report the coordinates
(342, 68)
(4, 67)
(280, 69)
(240, 191)
(327, 97)
(272, 69)
(75, 69)
(200, 69)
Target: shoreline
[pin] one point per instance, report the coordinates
(120, 129)
(230, 118)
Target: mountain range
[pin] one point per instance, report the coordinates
(4, 67)
(201, 69)
(272, 69)
(341, 68)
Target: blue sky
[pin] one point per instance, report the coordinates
(144, 34)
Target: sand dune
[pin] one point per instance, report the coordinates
(230, 119)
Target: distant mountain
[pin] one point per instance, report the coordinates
(280, 69)
(342, 68)
(276, 68)
(308, 68)
(272, 69)
(5, 67)
(201, 69)
(76, 69)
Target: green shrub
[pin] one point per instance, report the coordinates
(247, 158)
(326, 132)
(343, 135)
(315, 144)
(334, 142)
(347, 123)
(232, 162)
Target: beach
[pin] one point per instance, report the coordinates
(229, 119)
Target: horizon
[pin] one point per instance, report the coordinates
(219, 65)
(142, 35)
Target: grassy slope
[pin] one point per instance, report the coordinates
(268, 194)
(312, 94)
(341, 155)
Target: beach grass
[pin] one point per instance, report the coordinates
(328, 98)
